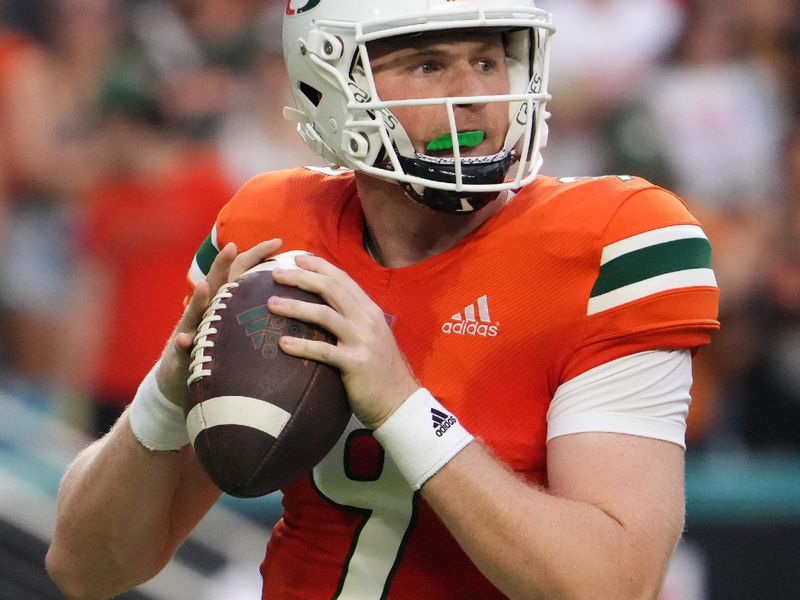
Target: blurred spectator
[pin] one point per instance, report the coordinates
(199, 49)
(13, 48)
(791, 165)
(47, 92)
(48, 96)
(771, 385)
(139, 229)
(22, 62)
(718, 114)
(773, 40)
(224, 79)
(771, 411)
(602, 51)
(254, 133)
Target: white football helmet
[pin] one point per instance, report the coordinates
(341, 117)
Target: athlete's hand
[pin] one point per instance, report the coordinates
(227, 266)
(374, 371)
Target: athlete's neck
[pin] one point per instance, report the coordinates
(399, 232)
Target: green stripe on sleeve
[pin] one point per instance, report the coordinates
(658, 259)
(206, 254)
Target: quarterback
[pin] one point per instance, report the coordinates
(516, 349)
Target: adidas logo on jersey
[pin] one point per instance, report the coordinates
(470, 324)
(442, 421)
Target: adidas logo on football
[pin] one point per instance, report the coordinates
(442, 421)
(263, 328)
(469, 324)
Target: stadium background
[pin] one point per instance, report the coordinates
(125, 123)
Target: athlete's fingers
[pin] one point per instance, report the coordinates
(317, 264)
(229, 264)
(220, 268)
(175, 358)
(195, 310)
(335, 293)
(253, 256)
(187, 326)
(310, 312)
(312, 262)
(335, 286)
(311, 349)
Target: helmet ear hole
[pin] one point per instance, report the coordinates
(355, 144)
(326, 46)
(310, 92)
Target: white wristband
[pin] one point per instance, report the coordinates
(156, 422)
(421, 437)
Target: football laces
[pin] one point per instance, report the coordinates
(201, 342)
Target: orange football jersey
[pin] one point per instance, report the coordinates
(570, 274)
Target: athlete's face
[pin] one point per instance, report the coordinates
(454, 64)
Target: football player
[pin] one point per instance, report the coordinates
(516, 349)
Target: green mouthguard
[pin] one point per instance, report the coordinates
(466, 139)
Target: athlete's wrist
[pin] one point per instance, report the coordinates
(378, 414)
(156, 422)
(422, 436)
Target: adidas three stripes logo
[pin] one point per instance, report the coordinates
(442, 421)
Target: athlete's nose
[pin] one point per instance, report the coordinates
(465, 81)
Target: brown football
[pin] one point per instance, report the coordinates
(259, 419)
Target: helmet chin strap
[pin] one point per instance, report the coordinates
(474, 170)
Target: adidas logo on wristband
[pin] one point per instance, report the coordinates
(419, 457)
(442, 421)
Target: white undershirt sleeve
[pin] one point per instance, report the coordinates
(645, 394)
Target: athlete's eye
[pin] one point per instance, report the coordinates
(485, 65)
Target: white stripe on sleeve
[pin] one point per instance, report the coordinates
(645, 394)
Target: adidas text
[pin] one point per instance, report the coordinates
(470, 328)
(473, 322)
(442, 421)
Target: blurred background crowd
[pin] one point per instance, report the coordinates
(126, 124)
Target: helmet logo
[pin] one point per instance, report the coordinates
(359, 95)
(307, 6)
(535, 87)
(522, 114)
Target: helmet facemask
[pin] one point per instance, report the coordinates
(342, 116)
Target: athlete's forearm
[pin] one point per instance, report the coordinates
(118, 521)
(532, 544)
